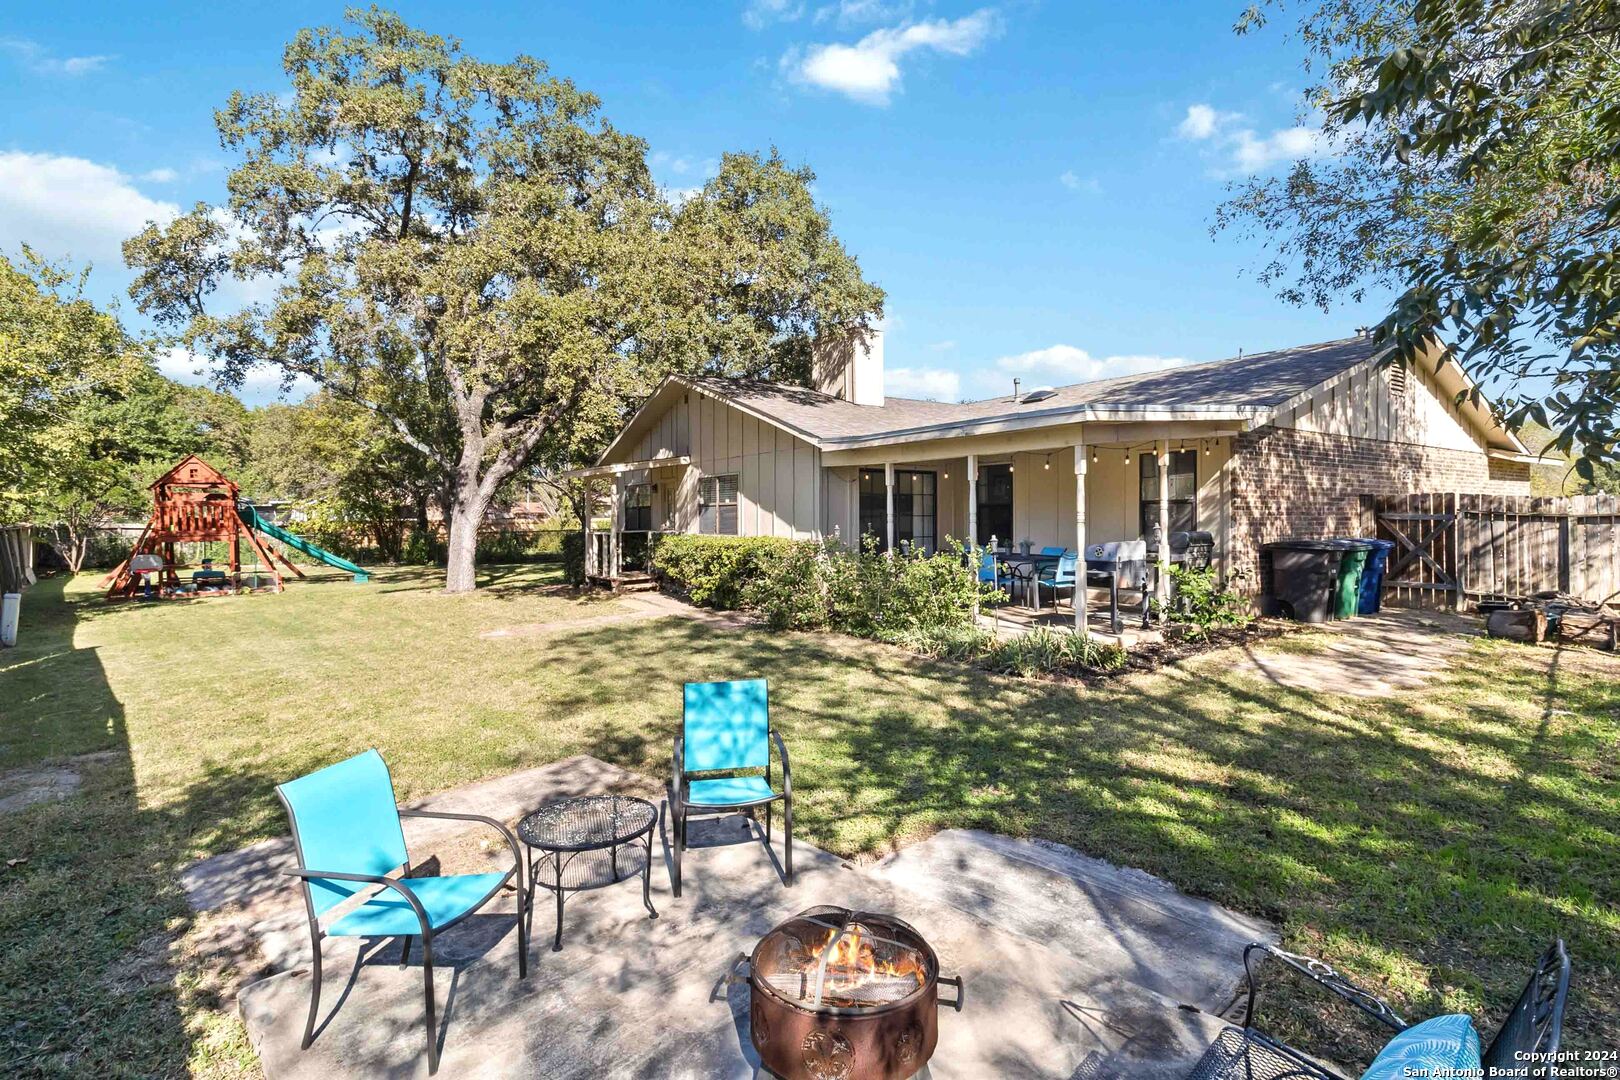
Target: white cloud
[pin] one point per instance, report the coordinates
(1059, 364)
(1242, 150)
(869, 70)
(261, 386)
(930, 384)
(856, 12)
(758, 14)
(161, 176)
(68, 207)
(942, 346)
(38, 59)
(1075, 182)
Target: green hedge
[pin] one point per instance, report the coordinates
(714, 571)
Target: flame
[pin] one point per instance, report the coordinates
(853, 960)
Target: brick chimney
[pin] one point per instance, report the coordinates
(850, 366)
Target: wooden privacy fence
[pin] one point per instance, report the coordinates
(1453, 549)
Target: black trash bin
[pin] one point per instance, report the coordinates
(1299, 578)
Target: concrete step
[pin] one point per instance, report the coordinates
(1127, 924)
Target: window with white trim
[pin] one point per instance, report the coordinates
(717, 505)
(638, 508)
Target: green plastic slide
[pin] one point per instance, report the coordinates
(250, 518)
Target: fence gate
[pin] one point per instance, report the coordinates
(1451, 549)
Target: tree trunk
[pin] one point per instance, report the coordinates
(461, 557)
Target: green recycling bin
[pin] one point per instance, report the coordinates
(1347, 590)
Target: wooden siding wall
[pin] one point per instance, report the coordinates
(776, 471)
(1365, 406)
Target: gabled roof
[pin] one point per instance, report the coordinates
(192, 470)
(1244, 388)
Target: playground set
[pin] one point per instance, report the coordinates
(195, 503)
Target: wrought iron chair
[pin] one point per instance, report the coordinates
(726, 728)
(348, 839)
(1527, 1040)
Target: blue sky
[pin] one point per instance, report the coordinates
(1032, 183)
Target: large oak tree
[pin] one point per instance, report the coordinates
(471, 251)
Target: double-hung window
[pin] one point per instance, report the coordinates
(638, 508)
(717, 505)
(1183, 476)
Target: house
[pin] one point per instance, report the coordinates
(1250, 449)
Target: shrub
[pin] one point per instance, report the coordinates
(1200, 600)
(882, 596)
(1044, 651)
(715, 570)
(791, 591)
(573, 557)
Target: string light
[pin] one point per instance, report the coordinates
(1093, 455)
(1048, 464)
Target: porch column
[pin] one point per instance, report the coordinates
(616, 536)
(973, 503)
(1081, 626)
(1163, 589)
(888, 491)
(973, 523)
(590, 537)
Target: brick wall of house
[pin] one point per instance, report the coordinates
(1286, 483)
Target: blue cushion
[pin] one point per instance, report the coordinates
(345, 821)
(1445, 1042)
(726, 726)
(734, 791)
(443, 898)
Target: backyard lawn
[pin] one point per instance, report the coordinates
(1431, 842)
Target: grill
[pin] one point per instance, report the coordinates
(837, 994)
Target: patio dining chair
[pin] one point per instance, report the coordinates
(1061, 575)
(348, 842)
(724, 742)
(1526, 1044)
(992, 571)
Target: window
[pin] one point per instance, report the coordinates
(1183, 491)
(915, 513)
(717, 505)
(638, 508)
(996, 504)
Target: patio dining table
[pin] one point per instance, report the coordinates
(1026, 569)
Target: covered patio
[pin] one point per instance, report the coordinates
(1019, 495)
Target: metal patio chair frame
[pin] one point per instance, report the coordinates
(681, 810)
(1535, 1024)
(402, 886)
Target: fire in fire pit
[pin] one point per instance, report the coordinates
(839, 995)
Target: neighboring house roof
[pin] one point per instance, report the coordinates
(1245, 388)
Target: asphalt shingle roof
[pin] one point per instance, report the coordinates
(1261, 380)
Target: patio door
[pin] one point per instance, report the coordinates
(916, 519)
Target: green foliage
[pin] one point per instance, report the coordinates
(473, 253)
(871, 594)
(1476, 167)
(1044, 651)
(715, 571)
(1200, 599)
(573, 557)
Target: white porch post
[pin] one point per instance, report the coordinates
(1163, 589)
(973, 521)
(973, 502)
(616, 536)
(1081, 626)
(888, 490)
(590, 537)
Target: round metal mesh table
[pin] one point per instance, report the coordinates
(574, 845)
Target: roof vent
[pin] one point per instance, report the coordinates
(1039, 395)
(1397, 378)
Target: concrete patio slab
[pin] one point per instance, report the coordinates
(631, 996)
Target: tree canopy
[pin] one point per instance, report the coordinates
(472, 252)
(1476, 168)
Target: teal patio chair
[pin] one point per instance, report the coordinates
(348, 839)
(992, 571)
(726, 729)
(1054, 551)
(1061, 576)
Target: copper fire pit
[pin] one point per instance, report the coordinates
(836, 994)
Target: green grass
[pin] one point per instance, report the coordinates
(1430, 843)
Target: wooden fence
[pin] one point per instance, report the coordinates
(1451, 549)
(16, 558)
